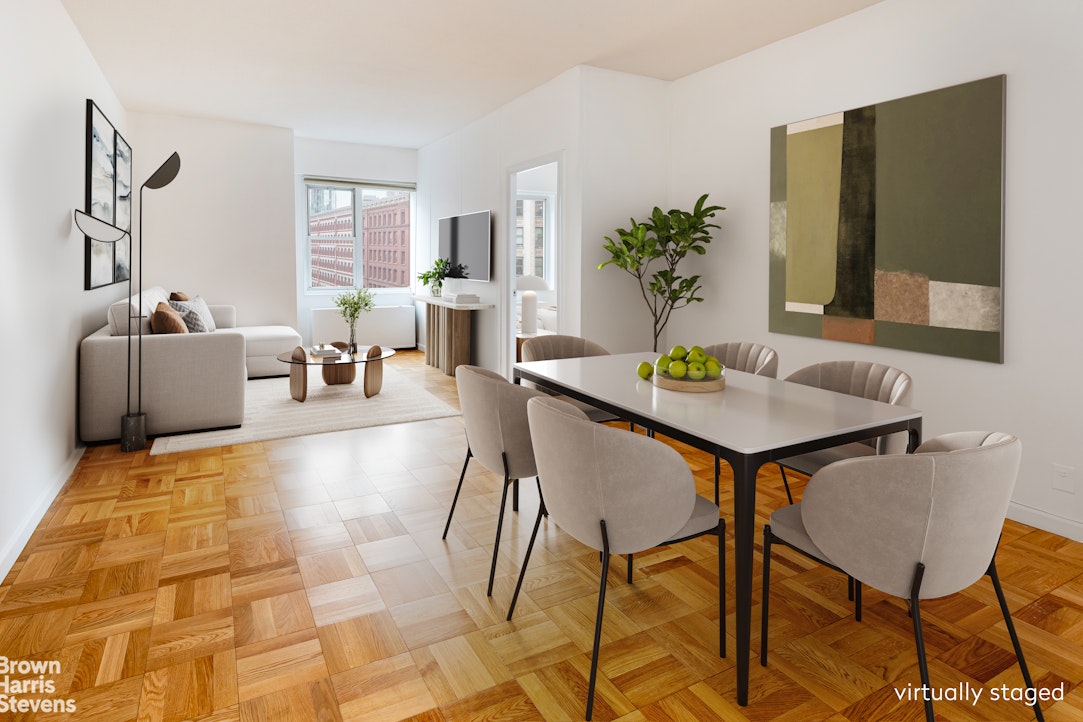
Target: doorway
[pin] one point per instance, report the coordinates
(534, 234)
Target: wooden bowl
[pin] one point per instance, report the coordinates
(704, 386)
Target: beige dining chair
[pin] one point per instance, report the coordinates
(877, 382)
(746, 356)
(616, 492)
(497, 436)
(917, 526)
(552, 346)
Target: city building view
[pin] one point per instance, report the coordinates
(383, 248)
(530, 235)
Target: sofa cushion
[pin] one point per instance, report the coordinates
(196, 315)
(166, 320)
(119, 313)
(179, 296)
(269, 340)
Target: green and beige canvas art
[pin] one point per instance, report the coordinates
(887, 223)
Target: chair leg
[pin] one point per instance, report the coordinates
(857, 600)
(598, 622)
(630, 568)
(458, 488)
(786, 483)
(526, 560)
(721, 587)
(992, 572)
(515, 495)
(767, 537)
(923, 663)
(499, 524)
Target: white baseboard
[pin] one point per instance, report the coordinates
(14, 544)
(1070, 528)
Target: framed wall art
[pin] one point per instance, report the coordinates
(108, 198)
(887, 223)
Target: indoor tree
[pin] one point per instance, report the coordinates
(666, 238)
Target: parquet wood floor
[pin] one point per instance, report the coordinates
(305, 579)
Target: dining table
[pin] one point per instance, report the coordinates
(752, 421)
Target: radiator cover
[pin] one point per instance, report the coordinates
(389, 326)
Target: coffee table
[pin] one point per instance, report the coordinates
(340, 370)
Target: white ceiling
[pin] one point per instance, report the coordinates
(405, 72)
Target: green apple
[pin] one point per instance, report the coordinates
(645, 369)
(713, 358)
(662, 364)
(696, 371)
(696, 354)
(678, 369)
(713, 368)
(677, 353)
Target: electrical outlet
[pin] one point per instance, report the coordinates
(1064, 478)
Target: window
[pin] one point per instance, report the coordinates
(343, 219)
(533, 234)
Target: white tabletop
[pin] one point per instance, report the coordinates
(753, 414)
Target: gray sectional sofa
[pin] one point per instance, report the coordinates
(191, 381)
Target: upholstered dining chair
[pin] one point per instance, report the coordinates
(917, 526)
(497, 435)
(746, 356)
(752, 358)
(874, 381)
(616, 492)
(557, 346)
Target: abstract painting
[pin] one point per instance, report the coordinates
(886, 223)
(108, 198)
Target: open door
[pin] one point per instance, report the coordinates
(535, 239)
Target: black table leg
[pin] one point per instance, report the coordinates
(744, 517)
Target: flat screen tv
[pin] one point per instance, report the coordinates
(467, 239)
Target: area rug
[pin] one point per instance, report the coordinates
(271, 413)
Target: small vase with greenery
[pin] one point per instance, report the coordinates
(441, 268)
(667, 238)
(351, 305)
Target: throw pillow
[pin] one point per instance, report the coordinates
(166, 320)
(197, 317)
(179, 296)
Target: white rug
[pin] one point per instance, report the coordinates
(271, 413)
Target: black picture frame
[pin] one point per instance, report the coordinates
(108, 198)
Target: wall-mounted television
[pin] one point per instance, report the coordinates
(467, 239)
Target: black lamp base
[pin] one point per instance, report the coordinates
(133, 432)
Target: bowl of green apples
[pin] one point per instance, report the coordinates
(685, 369)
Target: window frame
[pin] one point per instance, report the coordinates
(357, 187)
(548, 232)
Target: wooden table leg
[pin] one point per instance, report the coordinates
(299, 375)
(374, 372)
(336, 373)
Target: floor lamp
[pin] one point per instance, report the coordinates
(133, 427)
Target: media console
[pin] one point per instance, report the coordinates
(447, 331)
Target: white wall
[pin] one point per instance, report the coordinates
(721, 120)
(625, 148)
(348, 161)
(610, 133)
(48, 75)
(224, 229)
(469, 171)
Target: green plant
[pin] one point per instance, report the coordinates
(666, 238)
(441, 268)
(352, 304)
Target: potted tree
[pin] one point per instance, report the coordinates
(441, 268)
(666, 238)
(351, 305)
